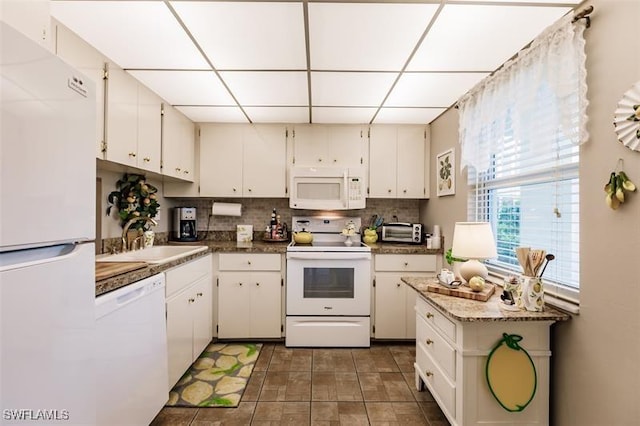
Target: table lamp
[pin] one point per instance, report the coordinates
(473, 241)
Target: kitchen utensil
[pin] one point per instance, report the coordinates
(536, 258)
(379, 221)
(548, 258)
(522, 253)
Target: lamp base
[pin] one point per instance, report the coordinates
(473, 268)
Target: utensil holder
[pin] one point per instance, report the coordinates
(530, 294)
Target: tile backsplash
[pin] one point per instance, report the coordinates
(257, 212)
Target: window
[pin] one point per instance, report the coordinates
(520, 132)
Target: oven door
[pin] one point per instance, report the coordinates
(328, 283)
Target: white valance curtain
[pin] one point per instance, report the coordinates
(550, 74)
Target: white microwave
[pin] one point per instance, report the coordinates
(326, 188)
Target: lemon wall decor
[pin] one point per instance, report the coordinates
(511, 374)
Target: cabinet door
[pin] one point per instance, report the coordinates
(265, 304)
(179, 335)
(410, 182)
(122, 117)
(234, 290)
(202, 308)
(346, 146)
(221, 160)
(149, 129)
(382, 161)
(310, 145)
(178, 138)
(89, 61)
(264, 161)
(390, 307)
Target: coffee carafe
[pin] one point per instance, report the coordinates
(184, 224)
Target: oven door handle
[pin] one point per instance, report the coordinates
(329, 256)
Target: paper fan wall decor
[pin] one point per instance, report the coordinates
(627, 118)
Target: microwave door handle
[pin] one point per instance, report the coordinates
(346, 189)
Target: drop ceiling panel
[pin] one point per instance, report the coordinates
(186, 87)
(134, 34)
(278, 114)
(342, 115)
(350, 88)
(247, 35)
(201, 114)
(480, 38)
(365, 36)
(438, 90)
(268, 88)
(407, 115)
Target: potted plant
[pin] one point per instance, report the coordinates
(134, 197)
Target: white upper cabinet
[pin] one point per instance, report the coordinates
(397, 161)
(90, 62)
(133, 122)
(30, 17)
(241, 160)
(178, 140)
(329, 145)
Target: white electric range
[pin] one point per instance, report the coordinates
(328, 285)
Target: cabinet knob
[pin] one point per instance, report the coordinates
(406, 263)
(335, 160)
(428, 373)
(398, 285)
(146, 159)
(319, 160)
(199, 294)
(191, 300)
(248, 262)
(429, 315)
(389, 191)
(234, 190)
(186, 172)
(240, 284)
(249, 189)
(132, 154)
(178, 169)
(405, 191)
(428, 341)
(258, 284)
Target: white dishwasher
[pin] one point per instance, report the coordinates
(131, 353)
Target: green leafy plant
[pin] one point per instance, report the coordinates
(450, 259)
(134, 197)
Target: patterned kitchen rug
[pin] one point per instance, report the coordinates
(217, 378)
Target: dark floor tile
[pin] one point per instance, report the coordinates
(333, 360)
(282, 413)
(433, 414)
(374, 359)
(290, 359)
(384, 387)
(395, 413)
(335, 386)
(404, 356)
(286, 386)
(174, 416)
(225, 416)
(262, 363)
(424, 395)
(252, 391)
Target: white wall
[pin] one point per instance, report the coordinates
(595, 372)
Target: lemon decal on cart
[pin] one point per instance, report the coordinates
(511, 374)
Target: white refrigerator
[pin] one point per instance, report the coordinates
(47, 233)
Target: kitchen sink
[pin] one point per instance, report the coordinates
(155, 254)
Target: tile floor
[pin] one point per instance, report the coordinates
(323, 387)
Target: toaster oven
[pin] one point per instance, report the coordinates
(400, 232)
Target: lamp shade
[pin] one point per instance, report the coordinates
(473, 240)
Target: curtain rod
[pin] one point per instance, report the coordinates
(580, 15)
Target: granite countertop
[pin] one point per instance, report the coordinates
(115, 282)
(467, 310)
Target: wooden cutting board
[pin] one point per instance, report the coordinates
(106, 270)
(464, 291)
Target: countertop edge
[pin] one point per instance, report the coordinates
(466, 310)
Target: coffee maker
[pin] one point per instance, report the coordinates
(184, 224)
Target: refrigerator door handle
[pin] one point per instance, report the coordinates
(27, 258)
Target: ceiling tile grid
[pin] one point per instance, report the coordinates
(317, 61)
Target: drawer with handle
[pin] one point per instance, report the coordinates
(442, 389)
(432, 316)
(436, 346)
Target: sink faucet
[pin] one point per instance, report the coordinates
(125, 246)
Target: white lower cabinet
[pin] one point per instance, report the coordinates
(451, 359)
(394, 313)
(249, 295)
(189, 292)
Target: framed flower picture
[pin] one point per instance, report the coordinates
(445, 173)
